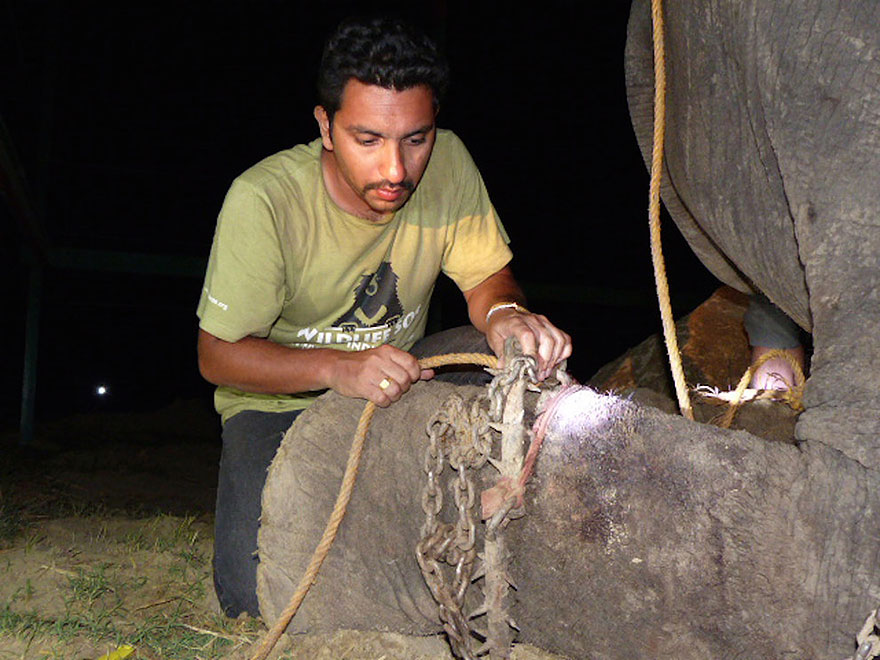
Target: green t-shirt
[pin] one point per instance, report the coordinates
(290, 265)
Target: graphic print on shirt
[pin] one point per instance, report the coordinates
(376, 317)
(375, 301)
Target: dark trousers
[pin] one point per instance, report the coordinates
(250, 440)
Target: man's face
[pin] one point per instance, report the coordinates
(377, 147)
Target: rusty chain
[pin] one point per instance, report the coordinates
(518, 368)
(461, 435)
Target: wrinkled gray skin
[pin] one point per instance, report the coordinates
(646, 535)
(649, 536)
(773, 176)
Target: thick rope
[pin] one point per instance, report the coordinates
(348, 481)
(660, 280)
(792, 396)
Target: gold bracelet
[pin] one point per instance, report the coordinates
(505, 305)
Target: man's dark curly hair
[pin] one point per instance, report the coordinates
(387, 52)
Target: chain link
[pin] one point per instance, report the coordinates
(460, 434)
(521, 367)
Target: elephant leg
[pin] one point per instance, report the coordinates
(639, 66)
(648, 535)
(645, 534)
(843, 392)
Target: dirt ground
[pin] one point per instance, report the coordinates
(105, 545)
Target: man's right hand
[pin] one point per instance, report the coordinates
(381, 375)
(251, 364)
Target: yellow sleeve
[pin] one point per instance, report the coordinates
(244, 284)
(476, 244)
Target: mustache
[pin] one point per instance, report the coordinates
(406, 184)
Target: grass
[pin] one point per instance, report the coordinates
(79, 578)
(147, 587)
(165, 533)
(11, 521)
(159, 636)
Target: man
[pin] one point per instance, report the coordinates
(324, 260)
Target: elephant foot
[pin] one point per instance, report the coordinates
(776, 373)
(842, 395)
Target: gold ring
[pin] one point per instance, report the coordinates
(384, 384)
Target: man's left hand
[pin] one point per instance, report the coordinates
(536, 335)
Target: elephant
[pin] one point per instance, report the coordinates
(647, 534)
(771, 159)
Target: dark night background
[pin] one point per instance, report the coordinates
(131, 119)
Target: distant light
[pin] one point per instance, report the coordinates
(102, 390)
